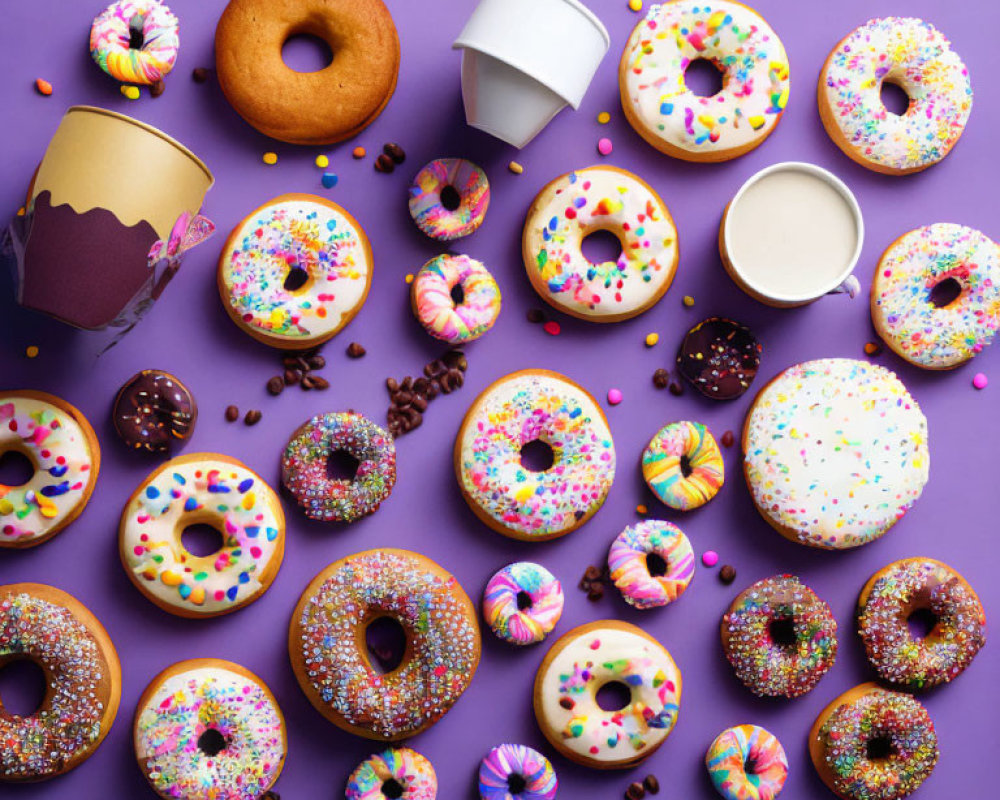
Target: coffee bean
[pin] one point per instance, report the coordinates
(596, 592)
(232, 413)
(391, 384)
(319, 383)
(652, 784)
(384, 164)
(447, 383)
(292, 376)
(635, 791)
(727, 574)
(535, 316)
(592, 573)
(276, 385)
(308, 382)
(420, 402)
(253, 417)
(302, 365)
(676, 389)
(407, 384)
(395, 152)
(661, 379)
(435, 368)
(316, 362)
(455, 359)
(728, 439)
(199, 74)
(421, 386)
(290, 361)
(157, 87)
(355, 350)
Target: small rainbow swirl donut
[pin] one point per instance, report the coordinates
(523, 603)
(747, 763)
(682, 465)
(516, 772)
(113, 34)
(449, 198)
(651, 563)
(398, 772)
(441, 316)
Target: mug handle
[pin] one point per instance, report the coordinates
(849, 286)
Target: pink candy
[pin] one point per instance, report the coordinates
(709, 558)
(604, 146)
(980, 380)
(614, 396)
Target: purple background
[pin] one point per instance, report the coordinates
(189, 333)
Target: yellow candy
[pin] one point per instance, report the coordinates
(409, 277)
(322, 162)
(516, 168)
(171, 578)
(270, 158)
(197, 596)
(249, 500)
(635, 5)
(31, 351)
(688, 300)
(524, 494)
(131, 92)
(6, 507)
(652, 339)
(756, 121)
(604, 117)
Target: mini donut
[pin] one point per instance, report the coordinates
(523, 603)
(66, 458)
(578, 665)
(153, 410)
(918, 58)
(682, 465)
(516, 772)
(208, 728)
(304, 467)
(667, 114)
(527, 406)
(747, 763)
(651, 563)
(835, 452)
(573, 206)
(295, 271)
(779, 637)
(202, 488)
(135, 41)
(322, 107)
(397, 772)
(326, 643)
(873, 744)
(439, 313)
(889, 598)
(449, 198)
(916, 266)
(83, 682)
(719, 358)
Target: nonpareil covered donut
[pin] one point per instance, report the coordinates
(445, 318)
(449, 198)
(682, 465)
(523, 603)
(747, 762)
(935, 297)
(918, 58)
(516, 772)
(153, 411)
(651, 563)
(135, 41)
(672, 118)
(577, 204)
(397, 773)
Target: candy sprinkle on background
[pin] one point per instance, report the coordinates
(322, 161)
(43, 86)
(980, 380)
(709, 558)
(614, 396)
(652, 339)
(604, 118)
(270, 158)
(604, 146)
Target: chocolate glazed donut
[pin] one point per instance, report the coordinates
(153, 410)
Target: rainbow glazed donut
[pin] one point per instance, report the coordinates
(651, 563)
(910, 309)
(915, 56)
(449, 198)
(682, 465)
(208, 729)
(397, 772)
(135, 41)
(516, 772)
(580, 663)
(436, 309)
(66, 456)
(573, 206)
(747, 763)
(888, 600)
(523, 603)
(534, 405)
(295, 271)
(873, 744)
(779, 637)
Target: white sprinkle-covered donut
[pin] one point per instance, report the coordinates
(575, 205)
(672, 118)
(905, 311)
(115, 30)
(917, 57)
(436, 309)
(835, 452)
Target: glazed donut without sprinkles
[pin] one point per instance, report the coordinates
(682, 465)
(835, 452)
(449, 198)
(208, 729)
(516, 772)
(135, 41)
(295, 271)
(323, 107)
(651, 563)
(873, 744)
(196, 489)
(66, 458)
(523, 407)
(747, 763)
(523, 603)
(888, 600)
(578, 665)
(915, 56)
(935, 298)
(398, 772)
(575, 205)
(431, 295)
(327, 634)
(668, 115)
(83, 682)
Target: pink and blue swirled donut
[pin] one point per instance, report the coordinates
(516, 772)
(523, 603)
(449, 198)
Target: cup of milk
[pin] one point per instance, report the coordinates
(792, 234)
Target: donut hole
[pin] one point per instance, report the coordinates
(16, 468)
(22, 687)
(450, 197)
(614, 696)
(342, 466)
(537, 456)
(296, 279)
(136, 38)
(944, 293)
(703, 78)
(686, 468)
(656, 565)
(879, 748)
(392, 789)
(457, 294)
(921, 622)
(523, 600)
(750, 765)
(516, 783)
(601, 246)
(304, 52)
(211, 742)
(894, 98)
(201, 540)
(385, 638)
(782, 631)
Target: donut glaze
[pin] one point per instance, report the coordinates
(682, 465)
(111, 34)
(668, 115)
(917, 57)
(437, 311)
(408, 771)
(429, 211)
(835, 452)
(496, 769)
(502, 603)
(579, 203)
(631, 571)
(903, 311)
(735, 748)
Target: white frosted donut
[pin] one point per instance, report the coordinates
(835, 452)
(672, 118)
(577, 204)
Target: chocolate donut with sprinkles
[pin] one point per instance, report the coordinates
(154, 410)
(719, 358)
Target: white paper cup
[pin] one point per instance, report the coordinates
(525, 60)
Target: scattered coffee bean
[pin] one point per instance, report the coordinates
(409, 398)
(455, 359)
(292, 377)
(592, 573)
(661, 378)
(316, 362)
(232, 413)
(253, 417)
(157, 87)
(384, 164)
(727, 574)
(319, 383)
(395, 152)
(535, 316)
(308, 382)
(728, 440)
(199, 74)
(635, 791)
(270, 795)
(391, 384)
(355, 350)
(652, 784)
(276, 385)
(596, 592)
(676, 389)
